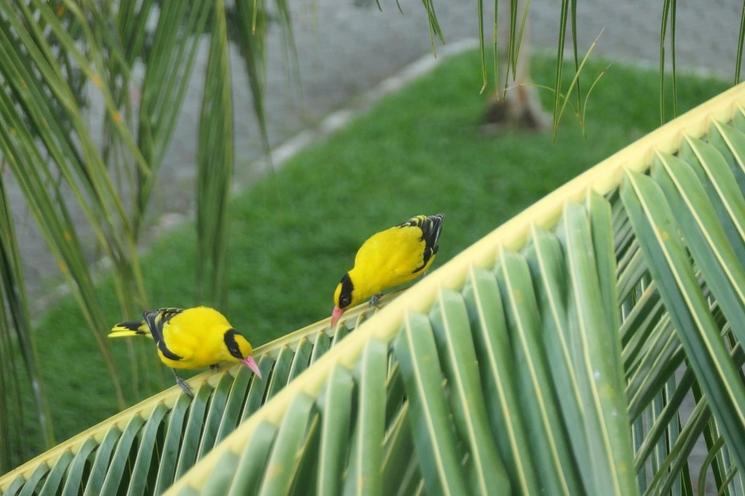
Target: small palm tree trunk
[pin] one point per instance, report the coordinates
(515, 102)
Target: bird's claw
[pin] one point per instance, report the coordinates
(184, 386)
(375, 301)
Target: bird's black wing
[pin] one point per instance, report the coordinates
(431, 226)
(155, 321)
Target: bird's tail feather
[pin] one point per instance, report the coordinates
(432, 228)
(127, 329)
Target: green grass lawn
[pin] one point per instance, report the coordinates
(294, 233)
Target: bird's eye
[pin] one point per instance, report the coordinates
(345, 295)
(344, 300)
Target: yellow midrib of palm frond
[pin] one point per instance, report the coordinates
(602, 178)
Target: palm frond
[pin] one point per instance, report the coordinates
(160, 439)
(215, 165)
(88, 191)
(668, 17)
(740, 40)
(168, 67)
(641, 300)
(610, 310)
(15, 341)
(249, 25)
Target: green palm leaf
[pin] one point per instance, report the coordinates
(168, 67)
(159, 440)
(16, 316)
(644, 304)
(215, 164)
(89, 194)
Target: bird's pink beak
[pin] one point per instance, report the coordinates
(251, 364)
(335, 316)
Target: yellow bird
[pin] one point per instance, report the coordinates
(387, 259)
(193, 338)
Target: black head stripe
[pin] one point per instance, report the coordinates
(233, 348)
(345, 296)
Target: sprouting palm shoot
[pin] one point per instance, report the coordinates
(193, 338)
(388, 259)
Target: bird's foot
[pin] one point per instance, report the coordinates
(184, 386)
(214, 367)
(375, 300)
